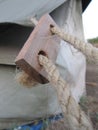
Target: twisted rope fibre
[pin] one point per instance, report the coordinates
(87, 49)
(70, 108)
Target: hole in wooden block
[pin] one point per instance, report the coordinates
(51, 26)
(41, 52)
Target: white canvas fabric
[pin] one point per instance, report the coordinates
(20, 11)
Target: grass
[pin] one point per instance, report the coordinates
(93, 40)
(89, 104)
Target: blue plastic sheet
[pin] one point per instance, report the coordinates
(41, 124)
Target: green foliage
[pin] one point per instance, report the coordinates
(93, 40)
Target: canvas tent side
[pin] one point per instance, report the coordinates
(15, 100)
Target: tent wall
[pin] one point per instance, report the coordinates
(16, 11)
(19, 102)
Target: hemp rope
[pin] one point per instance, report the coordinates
(87, 49)
(72, 112)
(24, 79)
(70, 108)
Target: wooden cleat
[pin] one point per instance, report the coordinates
(41, 41)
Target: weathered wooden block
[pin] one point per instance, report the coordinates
(41, 41)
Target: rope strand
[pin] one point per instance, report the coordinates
(87, 49)
(70, 108)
